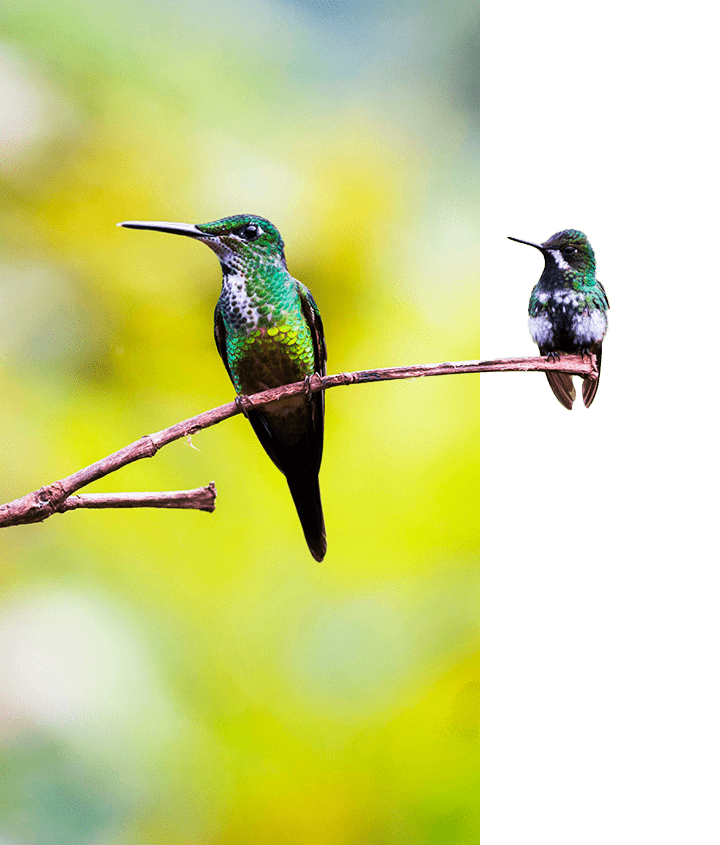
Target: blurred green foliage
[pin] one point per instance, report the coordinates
(176, 677)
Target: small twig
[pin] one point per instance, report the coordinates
(199, 499)
(42, 503)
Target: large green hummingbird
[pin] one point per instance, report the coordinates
(268, 332)
(568, 309)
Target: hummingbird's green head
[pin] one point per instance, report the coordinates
(566, 250)
(245, 234)
(239, 242)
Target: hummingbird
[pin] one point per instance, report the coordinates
(268, 332)
(568, 309)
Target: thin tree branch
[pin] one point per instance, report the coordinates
(574, 365)
(199, 499)
(55, 498)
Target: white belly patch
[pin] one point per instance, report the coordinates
(541, 330)
(590, 327)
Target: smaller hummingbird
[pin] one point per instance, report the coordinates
(568, 309)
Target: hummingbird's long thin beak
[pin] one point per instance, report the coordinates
(529, 243)
(159, 226)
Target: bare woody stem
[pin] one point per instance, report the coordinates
(574, 365)
(199, 499)
(58, 497)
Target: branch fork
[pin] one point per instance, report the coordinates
(59, 497)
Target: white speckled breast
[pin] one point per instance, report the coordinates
(564, 297)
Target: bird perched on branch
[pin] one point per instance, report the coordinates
(568, 309)
(268, 332)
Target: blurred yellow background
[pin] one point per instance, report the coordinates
(179, 677)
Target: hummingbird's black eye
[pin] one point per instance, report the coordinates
(568, 250)
(251, 232)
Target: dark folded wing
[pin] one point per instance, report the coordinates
(317, 400)
(220, 339)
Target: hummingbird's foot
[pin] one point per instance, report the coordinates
(307, 382)
(553, 356)
(243, 404)
(585, 352)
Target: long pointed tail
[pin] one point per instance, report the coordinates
(305, 491)
(299, 461)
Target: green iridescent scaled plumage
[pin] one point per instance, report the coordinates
(268, 332)
(288, 347)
